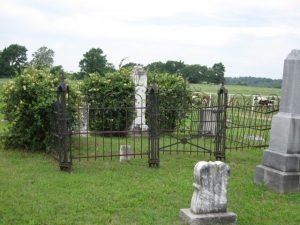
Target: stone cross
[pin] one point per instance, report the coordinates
(209, 200)
(280, 169)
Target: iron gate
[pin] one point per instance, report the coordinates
(197, 128)
(204, 125)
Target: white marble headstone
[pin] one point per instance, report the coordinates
(210, 187)
(139, 76)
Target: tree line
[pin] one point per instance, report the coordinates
(13, 59)
(254, 81)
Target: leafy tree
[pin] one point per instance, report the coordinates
(43, 57)
(129, 65)
(94, 62)
(194, 73)
(158, 67)
(57, 70)
(12, 59)
(173, 67)
(110, 68)
(219, 70)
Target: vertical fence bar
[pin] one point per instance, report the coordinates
(63, 127)
(220, 138)
(153, 147)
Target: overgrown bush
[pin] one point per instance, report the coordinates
(111, 101)
(28, 107)
(174, 98)
(28, 100)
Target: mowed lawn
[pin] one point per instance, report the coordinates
(34, 191)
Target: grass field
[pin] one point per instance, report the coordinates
(34, 191)
(237, 89)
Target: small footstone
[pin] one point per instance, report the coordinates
(125, 153)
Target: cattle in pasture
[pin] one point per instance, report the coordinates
(263, 101)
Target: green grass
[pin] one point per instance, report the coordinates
(34, 191)
(237, 89)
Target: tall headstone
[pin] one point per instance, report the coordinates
(139, 76)
(209, 200)
(280, 169)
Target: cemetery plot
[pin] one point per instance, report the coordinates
(198, 125)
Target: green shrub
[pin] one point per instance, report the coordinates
(28, 106)
(174, 99)
(28, 100)
(111, 101)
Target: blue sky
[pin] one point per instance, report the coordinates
(251, 38)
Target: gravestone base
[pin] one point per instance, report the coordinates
(279, 181)
(224, 218)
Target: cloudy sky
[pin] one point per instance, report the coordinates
(250, 37)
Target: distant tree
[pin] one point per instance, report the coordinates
(129, 65)
(57, 70)
(219, 70)
(158, 67)
(173, 67)
(12, 59)
(254, 81)
(193, 73)
(94, 62)
(110, 68)
(43, 57)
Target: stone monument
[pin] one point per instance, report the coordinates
(139, 77)
(280, 169)
(209, 200)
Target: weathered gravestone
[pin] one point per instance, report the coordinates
(84, 120)
(125, 153)
(139, 77)
(209, 200)
(208, 122)
(280, 169)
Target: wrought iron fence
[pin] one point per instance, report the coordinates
(249, 122)
(205, 125)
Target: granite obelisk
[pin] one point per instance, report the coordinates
(280, 169)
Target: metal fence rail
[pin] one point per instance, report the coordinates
(205, 125)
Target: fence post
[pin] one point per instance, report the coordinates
(153, 107)
(63, 127)
(220, 143)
